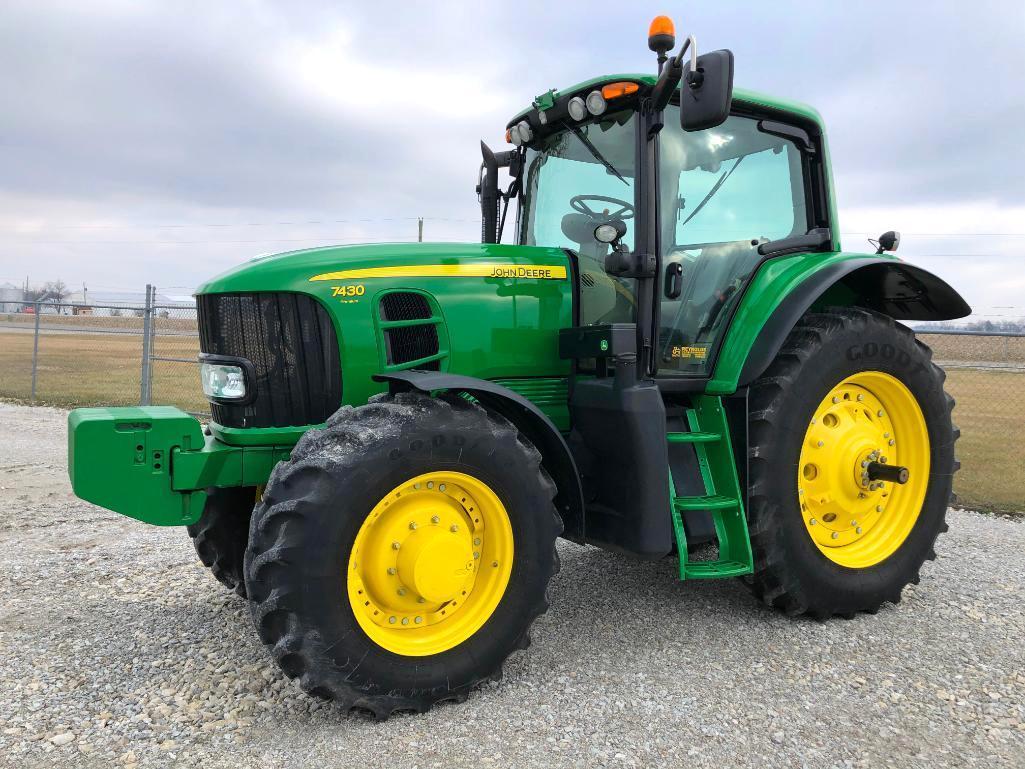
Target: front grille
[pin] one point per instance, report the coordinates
(292, 345)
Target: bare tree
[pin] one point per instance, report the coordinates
(56, 291)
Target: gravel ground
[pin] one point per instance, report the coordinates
(117, 648)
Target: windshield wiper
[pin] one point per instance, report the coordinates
(596, 154)
(711, 192)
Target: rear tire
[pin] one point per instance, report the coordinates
(220, 535)
(823, 563)
(308, 550)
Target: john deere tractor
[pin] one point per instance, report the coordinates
(675, 358)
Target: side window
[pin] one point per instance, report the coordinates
(724, 191)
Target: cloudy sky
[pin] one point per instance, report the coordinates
(164, 142)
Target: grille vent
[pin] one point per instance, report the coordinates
(405, 305)
(408, 343)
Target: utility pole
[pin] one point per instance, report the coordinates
(85, 294)
(420, 228)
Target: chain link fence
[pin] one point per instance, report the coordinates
(114, 354)
(68, 354)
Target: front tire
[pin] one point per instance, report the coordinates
(220, 535)
(402, 553)
(849, 388)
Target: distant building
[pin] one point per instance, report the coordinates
(126, 303)
(11, 297)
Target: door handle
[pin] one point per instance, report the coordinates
(674, 280)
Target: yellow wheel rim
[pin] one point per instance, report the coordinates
(868, 417)
(430, 563)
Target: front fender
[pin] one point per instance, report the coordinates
(786, 288)
(527, 417)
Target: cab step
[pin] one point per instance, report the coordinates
(722, 498)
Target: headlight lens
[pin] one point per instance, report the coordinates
(525, 133)
(576, 107)
(595, 103)
(222, 381)
(514, 135)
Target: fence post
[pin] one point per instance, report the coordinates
(35, 354)
(147, 319)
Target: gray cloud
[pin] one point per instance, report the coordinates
(192, 113)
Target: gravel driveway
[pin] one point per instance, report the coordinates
(118, 648)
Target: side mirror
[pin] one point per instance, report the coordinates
(888, 241)
(707, 93)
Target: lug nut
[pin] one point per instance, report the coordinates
(861, 397)
(812, 522)
(858, 530)
(821, 444)
(395, 545)
(435, 519)
(405, 620)
(494, 564)
(879, 508)
(418, 620)
(391, 620)
(835, 535)
(412, 525)
(879, 413)
(476, 555)
(836, 399)
(402, 591)
(476, 541)
(392, 570)
(441, 487)
(453, 527)
(892, 441)
(421, 599)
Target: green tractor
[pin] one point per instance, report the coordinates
(675, 359)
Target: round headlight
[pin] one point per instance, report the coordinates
(606, 233)
(576, 108)
(514, 135)
(525, 133)
(595, 103)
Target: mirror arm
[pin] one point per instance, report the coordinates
(663, 90)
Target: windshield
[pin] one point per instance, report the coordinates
(578, 179)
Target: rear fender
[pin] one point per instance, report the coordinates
(881, 283)
(529, 420)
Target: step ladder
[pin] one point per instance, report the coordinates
(708, 433)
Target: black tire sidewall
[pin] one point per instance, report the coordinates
(876, 345)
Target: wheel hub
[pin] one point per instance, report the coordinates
(430, 563)
(848, 514)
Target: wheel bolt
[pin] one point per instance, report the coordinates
(402, 591)
(879, 508)
(430, 484)
(835, 399)
(812, 522)
(476, 541)
(441, 487)
(412, 525)
(861, 397)
(858, 530)
(395, 545)
(418, 620)
(392, 570)
(421, 599)
(879, 413)
(405, 620)
(892, 441)
(494, 564)
(821, 444)
(476, 555)
(835, 535)
(453, 527)
(391, 620)
(435, 519)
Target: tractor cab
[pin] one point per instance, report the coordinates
(667, 211)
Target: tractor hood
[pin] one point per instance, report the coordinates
(316, 270)
(478, 309)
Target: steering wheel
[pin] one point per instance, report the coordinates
(579, 204)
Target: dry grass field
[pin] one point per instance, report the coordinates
(82, 369)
